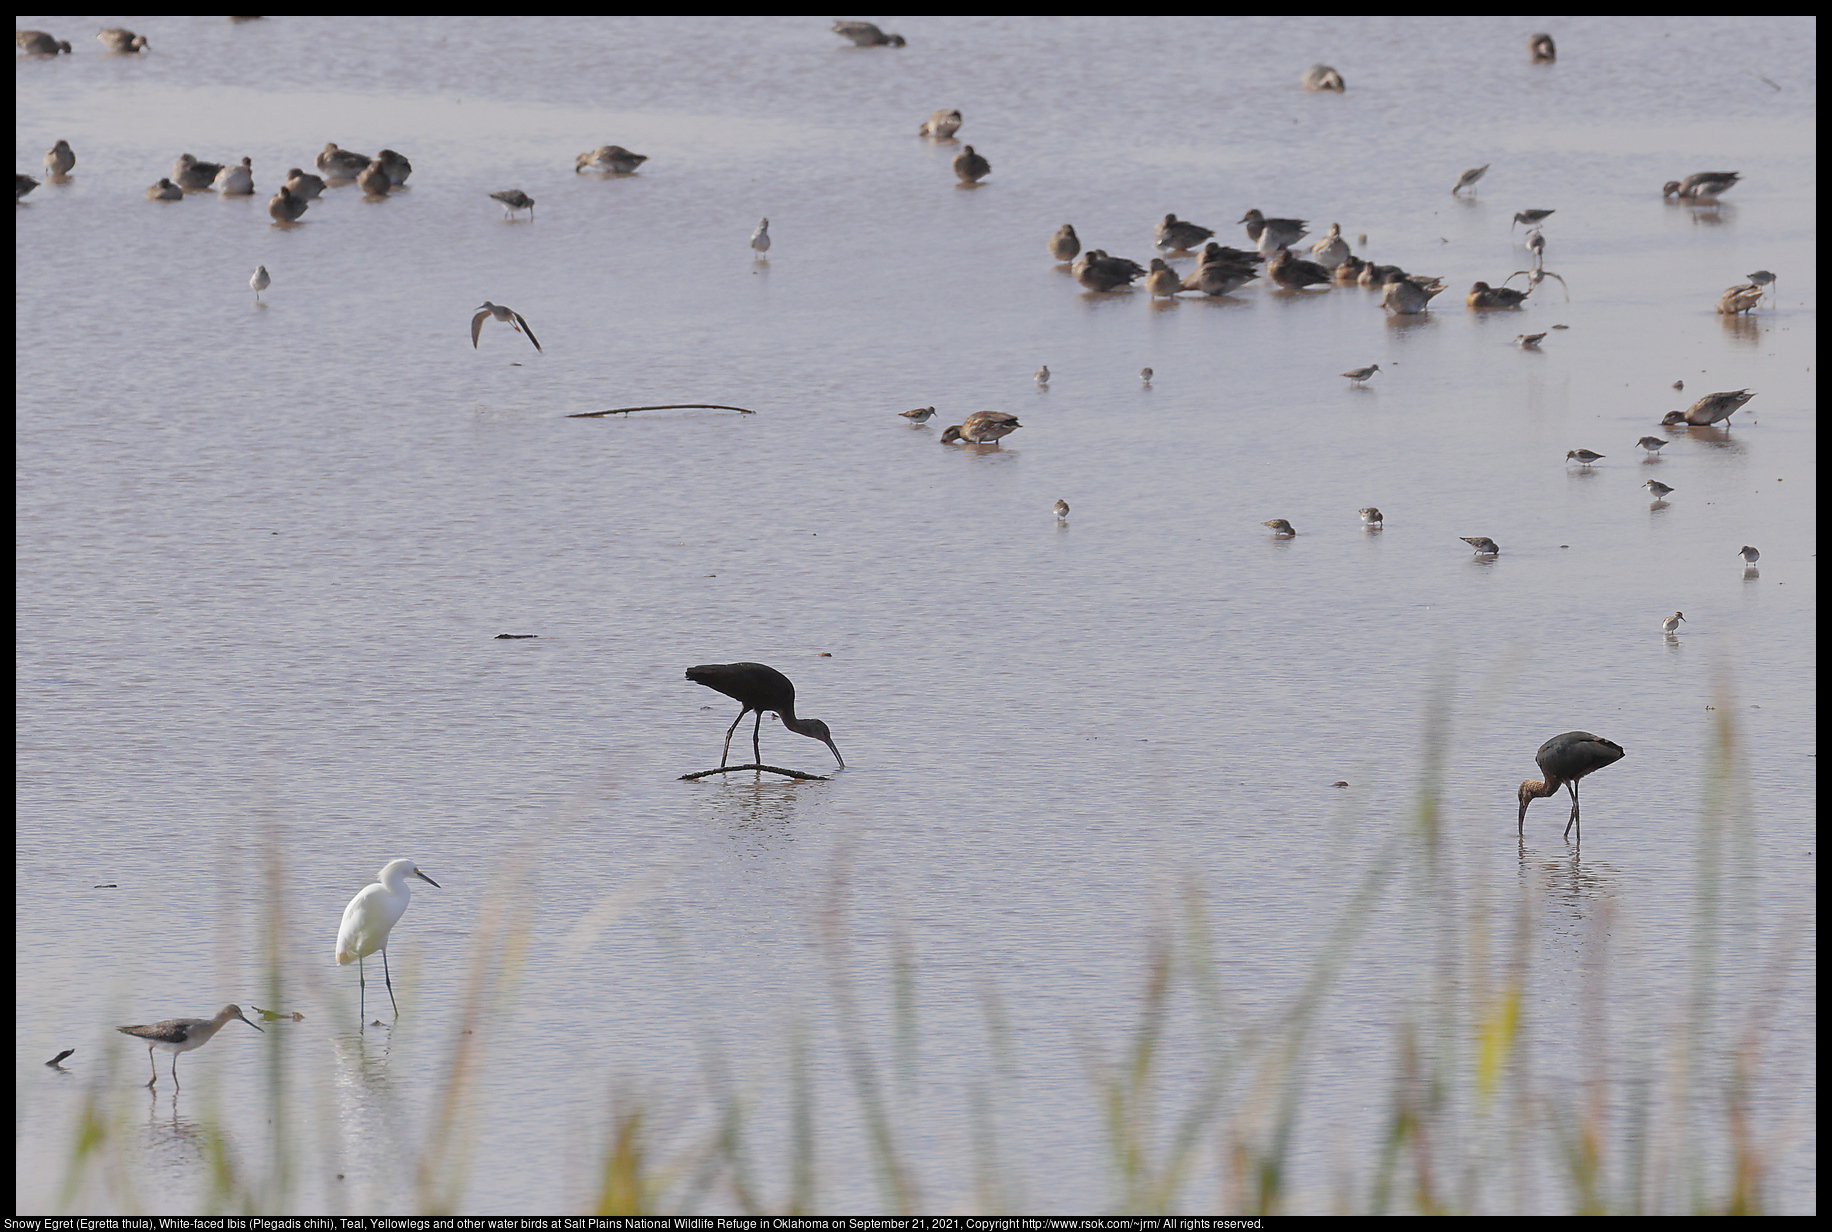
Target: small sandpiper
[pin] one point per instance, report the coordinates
(1529, 342)
(1583, 456)
(1762, 278)
(514, 199)
(919, 415)
(760, 239)
(1042, 375)
(1541, 49)
(1532, 217)
(1483, 544)
(1359, 376)
(1062, 511)
(1671, 624)
(1750, 555)
(1468, 178)
(1145, 377)
(1658, 488)
(1653, 444)
(260, 281)
(1372, 516)
(1280, 528)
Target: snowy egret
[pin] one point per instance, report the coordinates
(368, 920)
(177, 1035)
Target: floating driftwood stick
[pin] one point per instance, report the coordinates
(672, 406)
(794, 774)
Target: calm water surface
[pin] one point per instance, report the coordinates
(264, 551)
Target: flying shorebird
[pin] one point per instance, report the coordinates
(1360, 375)
(507, 316)
(1671, 623)
(1483, 544)
(514, 199)
(1709, 409)
(1468, 178)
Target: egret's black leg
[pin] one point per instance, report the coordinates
(390, 981)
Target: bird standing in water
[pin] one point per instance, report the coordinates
(1564, 760)
(760, 687)
(177, 1035)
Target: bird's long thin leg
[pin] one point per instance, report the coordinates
(1574, 814)
(756, 731)
(390, 981)
(175, 1072)
(153, 1064)
(728, 739)
(362, 986)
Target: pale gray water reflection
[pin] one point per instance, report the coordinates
(263, 557)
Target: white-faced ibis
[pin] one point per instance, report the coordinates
(369, 918)
(760, 688)
(176, 1035)
(1564, 760)
(507, 316)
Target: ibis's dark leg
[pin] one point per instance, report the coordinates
(1574, 814)
(390, 982)
(757, 749)
(728, 738)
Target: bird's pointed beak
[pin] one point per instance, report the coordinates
(836, 754)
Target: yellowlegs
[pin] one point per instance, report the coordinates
(981, 428)
(176, 1035)
(1372, 517)
(1322, 77)
(1584, 457)
(38, 43)
(259, 281)
(286, 205)
(1359, 376)
(1469, 178)
(514, 199)
(235, 181)
(1482, 295)
(1281, 529)
(1658, 488)
(1671, 623)
(369, 918)
(336, 164)
(165, 190)
(1709, 409)
(1564, 760)
(1540, 49)
(1483, 544)
(864, 34)
(919, 415)
(1704, 186)
(971, 167)
(1179, 234)
(508, 316)
(942, 123)
(122, 43)
(59, 159)
(760, 238)
(1065, 244)
(612, 158)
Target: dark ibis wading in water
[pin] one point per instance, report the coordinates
(760, 688)
(1564, 760)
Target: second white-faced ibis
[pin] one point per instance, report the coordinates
(1564, 760)
(760, 687)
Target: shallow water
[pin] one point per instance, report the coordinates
(264, 551)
